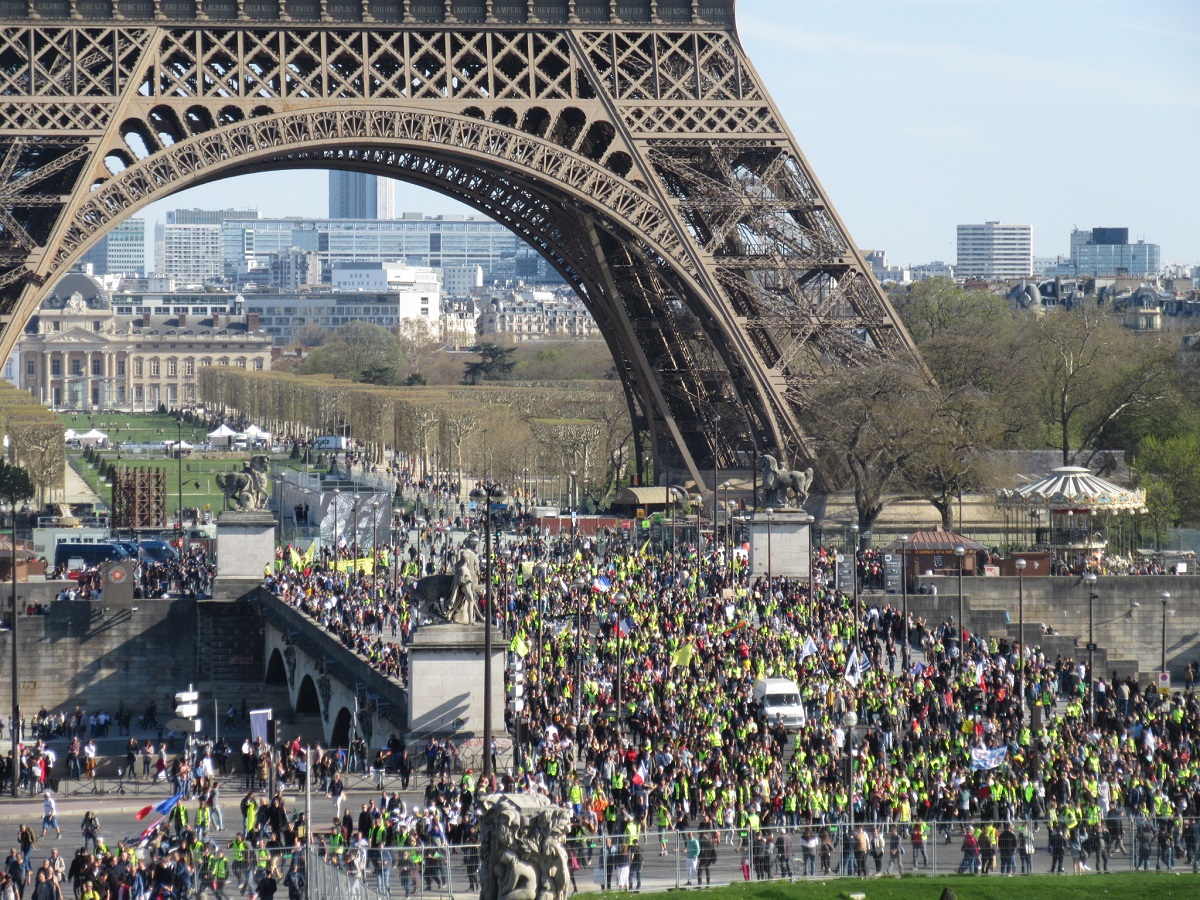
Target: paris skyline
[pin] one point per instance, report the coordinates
(920, 115)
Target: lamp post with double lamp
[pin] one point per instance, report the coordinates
(1021, 564)
(1089, 578)
(1165, 597)
(490, 491)
(960, 551)
(337, 492)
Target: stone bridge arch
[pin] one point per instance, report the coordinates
(318, 685)
(630, 143)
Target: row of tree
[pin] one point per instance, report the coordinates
(508, 431)
(1073, 380)
(35, 440)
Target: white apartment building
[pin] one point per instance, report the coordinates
(192, 253)
(994, 251)
(462, 281)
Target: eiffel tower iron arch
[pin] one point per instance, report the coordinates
(644, 161)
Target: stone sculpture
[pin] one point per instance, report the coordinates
(782, 488)
(247, 489)
(522, 850)
(464, 596)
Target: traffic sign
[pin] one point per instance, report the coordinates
(1164, 682)
(1091, 648)
(184, 726)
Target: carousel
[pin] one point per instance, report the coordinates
(1069, 512)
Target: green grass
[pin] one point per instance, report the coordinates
(199, 468)
(1122, 886)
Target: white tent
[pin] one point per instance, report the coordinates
(222, 437)
(254, 433)
(70, 434)
(94, 436)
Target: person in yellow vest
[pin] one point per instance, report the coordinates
(237, 853)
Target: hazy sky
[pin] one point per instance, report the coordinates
(918, 115)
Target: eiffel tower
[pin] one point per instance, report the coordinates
(630, 142)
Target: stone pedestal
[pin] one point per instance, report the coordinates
(779, 543)
(445, 695)
(245, 546)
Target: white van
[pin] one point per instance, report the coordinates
(779, 697)
(331, 442)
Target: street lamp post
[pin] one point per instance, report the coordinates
(572, 504)
(356, 551)
(726, 535)
(854, 578)
(580, 584)
(810, 520)
(960, 551)
(1165, 597)
(904, 599)
(489, 492)
(716, 418)
(1021, 563)
(337, 492)
(619, 607)
(850, 722)
(770, 515)
(1089, 578)
(179, 467)
(374, 548)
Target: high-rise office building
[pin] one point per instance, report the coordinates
(192, 253)
(437, 242)
(120, 252)
(1106, 252)
(994, 251)
(357, 195)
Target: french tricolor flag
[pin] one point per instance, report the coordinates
(601, 585)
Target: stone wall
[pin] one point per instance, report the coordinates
(96, 655)
(1128, 614)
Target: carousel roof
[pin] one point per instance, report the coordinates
(1072, 487)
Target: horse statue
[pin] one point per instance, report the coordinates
(431, 597)
(247, 489)
(783, 488)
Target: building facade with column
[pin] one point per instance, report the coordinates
(77, 354)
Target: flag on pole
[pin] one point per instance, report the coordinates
(982, 758)
(601, 585)
(310, 554)
(683, 656)
(163, 808)
(294, 558)
(853, 668)
(625, 626)
(809, 648)
(148, 833)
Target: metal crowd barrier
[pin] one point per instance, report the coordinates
(732, 856)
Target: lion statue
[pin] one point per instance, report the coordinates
(782, 488)
(247, 489)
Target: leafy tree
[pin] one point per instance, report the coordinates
(869, 424)
(15, 484)
(1169, 471)
(496, 363)
(1093, 376)
(359, 352)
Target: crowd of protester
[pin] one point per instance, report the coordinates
(689, 752)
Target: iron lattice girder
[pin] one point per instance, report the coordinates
(645, 161)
